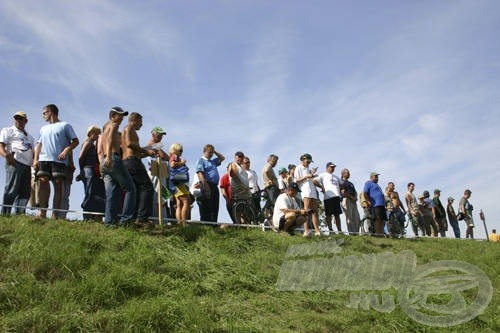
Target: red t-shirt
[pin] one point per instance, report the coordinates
(226, 184)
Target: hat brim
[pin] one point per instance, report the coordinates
(124, 113)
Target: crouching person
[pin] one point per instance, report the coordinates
(287, 212)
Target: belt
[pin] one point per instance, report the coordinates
(112, 154)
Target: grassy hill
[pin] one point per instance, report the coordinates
(76, 276)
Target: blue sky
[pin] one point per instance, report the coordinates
(405, 88)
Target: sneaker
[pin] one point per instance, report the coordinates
(305, 234)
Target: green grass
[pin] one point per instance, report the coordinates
(83, 277)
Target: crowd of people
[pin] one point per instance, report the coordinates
(121, 190)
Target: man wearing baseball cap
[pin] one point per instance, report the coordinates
(374, 197)
(452, 217)
(117, 180)
(439, 214)
(306, 179)
(287, 212)
(162, 157)
(330, 186)
(17, 147)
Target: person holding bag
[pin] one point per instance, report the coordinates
(179, 178)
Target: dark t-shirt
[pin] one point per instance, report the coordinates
(348, 187)
(440, 211)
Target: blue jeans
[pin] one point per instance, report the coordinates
(456, 228)
(144, 186)
(17, 188)
(116, 181)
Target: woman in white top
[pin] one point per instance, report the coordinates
(304, 176)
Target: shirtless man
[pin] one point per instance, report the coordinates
(269, 178)
(394, 204)
(116, 177)
(132, 155)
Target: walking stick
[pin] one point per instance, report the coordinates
(481, 216)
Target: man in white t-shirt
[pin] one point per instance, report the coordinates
(306, 179)
(253, 181)
(17, 147)
(287, 212)
(330, 185)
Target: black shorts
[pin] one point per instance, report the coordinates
(332, 206)
(51, 170)
(380, 213)
(282, 223)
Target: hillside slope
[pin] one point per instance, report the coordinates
(75, 276)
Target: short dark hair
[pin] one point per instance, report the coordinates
(272, 156)
(410, 184)
(134, 116)
(52, 108)
(208, 146)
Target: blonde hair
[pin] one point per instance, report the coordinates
(92, 129)
(175, 148)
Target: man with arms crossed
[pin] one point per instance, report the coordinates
(116, 177)
(57, 141)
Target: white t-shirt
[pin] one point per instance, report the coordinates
(21, 145)
(253, 181)
(283, 201)
(307, 187)
(281, 184)
(331, 183)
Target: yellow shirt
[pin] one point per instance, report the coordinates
(494, 238)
